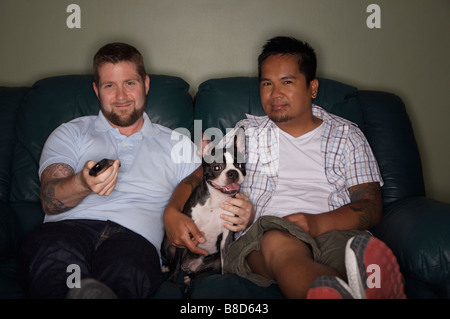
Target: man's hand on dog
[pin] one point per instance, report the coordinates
(243, 211)
(183, 233)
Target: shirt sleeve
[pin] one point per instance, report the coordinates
(361, 165)
(60, 147)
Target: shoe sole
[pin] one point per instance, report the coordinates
(91, 289)
(368, 257)
(329, 287)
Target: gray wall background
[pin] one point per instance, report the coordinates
(202, 39)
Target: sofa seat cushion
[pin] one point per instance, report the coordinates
(231, 286)
(9, 287)
(416, 229)
(9, 231)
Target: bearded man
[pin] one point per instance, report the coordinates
(109, 224)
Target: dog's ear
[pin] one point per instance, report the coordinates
(239, 144)
(205, 143)
(208, 149)
(239, 140)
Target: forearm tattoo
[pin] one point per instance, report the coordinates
(366, 201)
(50, 177)
(193, 180)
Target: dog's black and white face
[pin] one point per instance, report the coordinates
(227, 175)
(224, 169)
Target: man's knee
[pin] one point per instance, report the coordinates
(129, 265)
(278, 243)
(271, 240)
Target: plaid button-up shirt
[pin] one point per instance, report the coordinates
(347, 158)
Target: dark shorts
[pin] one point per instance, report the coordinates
(327, 249)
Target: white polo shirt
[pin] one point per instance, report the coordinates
(148, 174)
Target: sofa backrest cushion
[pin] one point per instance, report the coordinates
(53, 101)
(10, 98)
(220, 103)
(389, 132)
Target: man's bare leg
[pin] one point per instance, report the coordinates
(289, 262)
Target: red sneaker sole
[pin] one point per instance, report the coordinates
(383, 279)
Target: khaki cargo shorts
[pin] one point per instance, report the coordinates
(328, 249)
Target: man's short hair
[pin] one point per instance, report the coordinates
(118, 52)
(307, 61)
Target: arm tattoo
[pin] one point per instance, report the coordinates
(194, 180)
(50, 177)
(366, 201)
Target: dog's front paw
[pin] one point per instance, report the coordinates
(165, 269)
(187, 280)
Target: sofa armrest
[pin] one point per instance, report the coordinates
(8, 231)
(417, 231)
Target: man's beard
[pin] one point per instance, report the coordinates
(124, 119)
(280, 118)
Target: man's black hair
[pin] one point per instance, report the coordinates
(307, 61)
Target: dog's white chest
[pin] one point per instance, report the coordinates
(207, 218)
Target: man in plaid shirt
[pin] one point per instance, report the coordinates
(311, 192)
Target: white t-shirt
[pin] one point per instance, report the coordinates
(302, 184)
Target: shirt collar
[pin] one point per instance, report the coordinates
(330, 118)
(259, 121)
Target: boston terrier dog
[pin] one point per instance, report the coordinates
(223, 174)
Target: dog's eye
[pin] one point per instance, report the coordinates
(217, 168)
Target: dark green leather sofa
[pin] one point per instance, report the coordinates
(414, 226)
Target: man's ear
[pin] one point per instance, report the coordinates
(95, 89)
(314, 87)
(147, 84)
